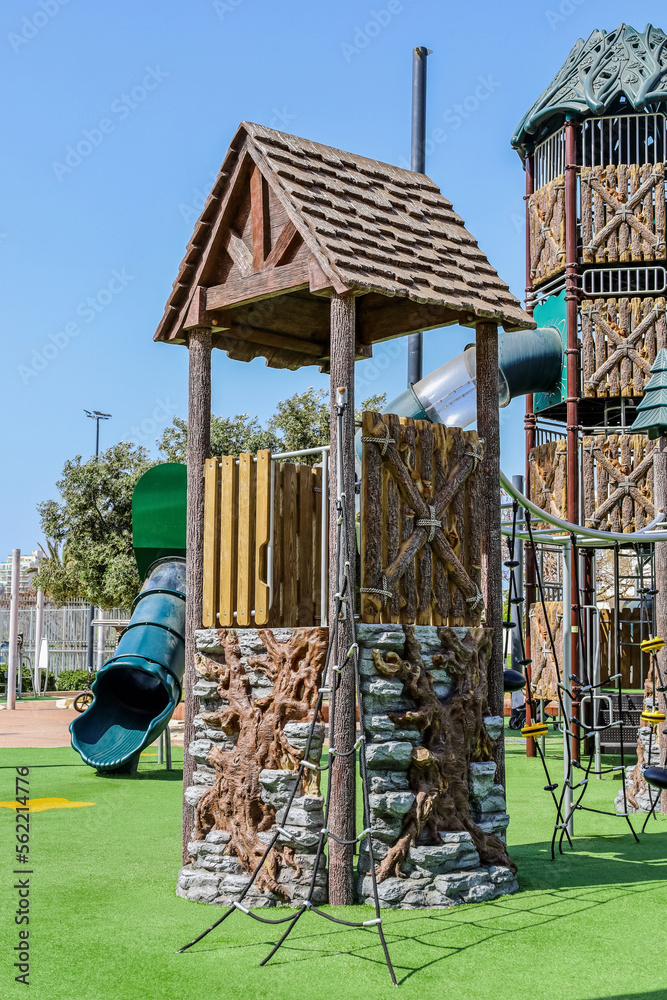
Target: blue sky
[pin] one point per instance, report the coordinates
(151, 93)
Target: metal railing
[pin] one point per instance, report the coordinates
(550, 158)
(616, 139)
(624, 281)
(66, 630)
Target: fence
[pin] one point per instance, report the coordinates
(265, 541)
(65, 628)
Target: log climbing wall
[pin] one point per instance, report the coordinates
(623, 212)
(546, 211)
(620, 338)
(262, 542)
(420, 523)
(548, 477)
(617, 479)
(544, 672)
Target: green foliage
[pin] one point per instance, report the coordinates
(74, 680)
(229, 436)
(375, 402)
(301, 421)
(93, 522)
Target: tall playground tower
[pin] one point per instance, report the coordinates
(594, 146)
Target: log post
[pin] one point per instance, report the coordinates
(660, 501)
(530, 427)
(199, 442)
(572, 355)
(488, 428)
(343, 734)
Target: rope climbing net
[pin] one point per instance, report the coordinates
(331, 680)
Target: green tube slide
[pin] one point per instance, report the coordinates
(138, 688)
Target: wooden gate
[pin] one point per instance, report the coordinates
(262, 542)
(420, 523)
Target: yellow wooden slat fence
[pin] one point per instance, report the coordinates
(262, 542)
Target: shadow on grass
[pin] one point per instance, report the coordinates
(647, 995)
(421, 940)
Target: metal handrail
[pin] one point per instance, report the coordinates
(580, 529)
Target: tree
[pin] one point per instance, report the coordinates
(93, 522)
(56, 573)
(375, 402)
(229, 436)
(301, 421)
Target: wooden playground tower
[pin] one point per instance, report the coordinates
(594, 147)
(308, 255)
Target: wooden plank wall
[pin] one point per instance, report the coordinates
(623, 213)
(237, 524)
(620, 338)
(546, 208)
(433, 581)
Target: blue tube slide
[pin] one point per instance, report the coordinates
(138, 688)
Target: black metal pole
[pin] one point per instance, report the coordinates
(418, 164)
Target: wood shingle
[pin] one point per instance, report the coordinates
(288, 220)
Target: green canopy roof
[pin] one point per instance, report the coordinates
(609, 72)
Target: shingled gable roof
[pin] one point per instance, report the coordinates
(330, 220)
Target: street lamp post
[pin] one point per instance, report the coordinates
(95, 415)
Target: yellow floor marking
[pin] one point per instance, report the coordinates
(40, 805)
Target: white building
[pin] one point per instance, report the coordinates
(29, 561)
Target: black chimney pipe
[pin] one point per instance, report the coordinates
(418, 164)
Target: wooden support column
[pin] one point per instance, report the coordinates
(488, 427)
(572, 382)
(343, 734)
(529, 558)
(660, 501)
(199, 442)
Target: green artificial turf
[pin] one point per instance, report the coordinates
(106, 922)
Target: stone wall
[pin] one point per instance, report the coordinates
(433, 874)
(214, 876)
